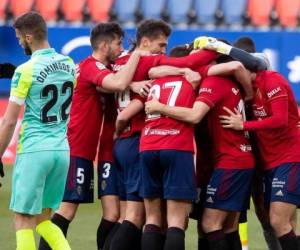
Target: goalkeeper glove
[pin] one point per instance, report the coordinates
(7, 70)
(211, 43)
(1, 170)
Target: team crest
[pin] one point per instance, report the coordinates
(103, 185)
(79, 190)
(100, 66)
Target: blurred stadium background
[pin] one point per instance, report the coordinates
(273, 24)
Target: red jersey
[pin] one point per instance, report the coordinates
(106, 141)
(136, 123)
(278, 145)
(231, 149)
(86, 113)
(162, 132)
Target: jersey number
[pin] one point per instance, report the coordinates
(175, 90)
(52, 90)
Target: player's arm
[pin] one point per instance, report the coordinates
(141, 88)
(191, 76)
(251, 62)
(236, 69)
(192, 61)
(120, 81)
(126, 114)
(190, 115)
(278, 119)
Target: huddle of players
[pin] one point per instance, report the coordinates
(146, 176)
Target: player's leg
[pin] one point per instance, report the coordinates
(126, 153)
(53, 235)
(27, 194)
(179, 191)
(243, 229)
(152, 191)
(261, 200)
(284, 201)
(109, 195)
(230, 227)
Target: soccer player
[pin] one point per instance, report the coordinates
(276, 117)
(94, 75)
(108, 190)
(233, 160)
(167, 165)
(152, 36)
(45, 85)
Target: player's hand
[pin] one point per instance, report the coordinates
(153, 106)
(192, 76)
(211, 43)
(7, 70)
(1, 170)
(232, 120)
(142, 87)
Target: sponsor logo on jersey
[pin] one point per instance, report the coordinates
(100, 65)
(149, 131)
(260, 112)
(279, 193)
(245, 148)
(273, 92)
(205, 90)
(235, 91)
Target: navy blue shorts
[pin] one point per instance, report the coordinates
(126, 154)
(229, 189)
(107, 179)
(168, 174)
(283, 184)
(80, 181)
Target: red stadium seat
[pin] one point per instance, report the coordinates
(99, 10)
(48, 9)
(259, 11)
(72, 9)
(19, 7)
(3, 4)
(287, 11)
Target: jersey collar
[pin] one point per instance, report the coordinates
(43, 52)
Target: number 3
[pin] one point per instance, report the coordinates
(106, 168)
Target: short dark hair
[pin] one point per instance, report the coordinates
(105, 32)
(152, 28)
(181, 50)
(32, 22)
(245, 43)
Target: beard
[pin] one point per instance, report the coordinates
(27, 49)
(111, 56)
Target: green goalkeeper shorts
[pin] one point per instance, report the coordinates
(39, 180)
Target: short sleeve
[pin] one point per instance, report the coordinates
(203, 70)
(210, 92)
(275, 86)
(21, 81)
(96, 72)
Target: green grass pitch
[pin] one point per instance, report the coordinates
(82, 232)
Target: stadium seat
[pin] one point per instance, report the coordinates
(72, 10)
(233, 10)
(150, 10)
(125, 10)
(259, 11)
(178, 10)
(19, 7)
(287, 11)
(3, 4)
(206, 10)
(48, 9)
(99, 10)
